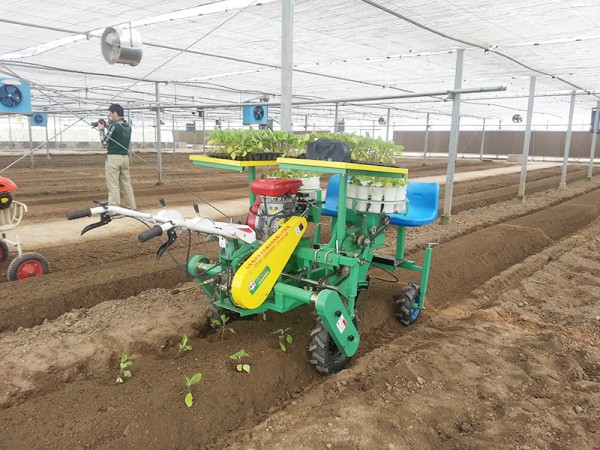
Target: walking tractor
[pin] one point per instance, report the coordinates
(25, 265)
(272, 263)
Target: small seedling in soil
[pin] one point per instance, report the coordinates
(189, 382)
(237, 358)
(123, 365)
(284, 338)
(184, 346)
(222, 325)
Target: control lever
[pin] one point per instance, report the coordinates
(171, 237)
(104, 219)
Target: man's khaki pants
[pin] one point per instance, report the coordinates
(116, 171)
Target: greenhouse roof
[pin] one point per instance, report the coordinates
(228, 52)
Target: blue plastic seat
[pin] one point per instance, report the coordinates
(422, 203)
(329, 208)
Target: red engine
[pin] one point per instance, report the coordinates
(6, 187)
(276, 200)
(275, 187)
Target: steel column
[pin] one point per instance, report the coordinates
(482, 141)
(454, 130)
(336, 118)
(527, 139)
(563, 176)
(426, 143)
(158, 140)
(287, 43)
(593, 147)
(387, 124)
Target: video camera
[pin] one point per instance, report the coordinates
(102, 121)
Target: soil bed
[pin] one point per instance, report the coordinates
(505, 355)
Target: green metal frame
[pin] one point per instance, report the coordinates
(331, 274)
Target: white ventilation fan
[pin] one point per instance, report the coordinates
(121, 46)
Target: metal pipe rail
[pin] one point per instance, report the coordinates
(168, 219)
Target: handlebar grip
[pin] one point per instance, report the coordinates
(155, 231)
(79, 214)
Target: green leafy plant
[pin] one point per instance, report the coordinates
(364, 180)
(284, 338)
(221, 323)
(391, 182)
(365, 148)
(291, 173)
(183, 345)
(124, 364)
(237, 359)
(240, 143)
(189, 382)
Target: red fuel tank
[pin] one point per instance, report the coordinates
(6, 185)
(275, 187)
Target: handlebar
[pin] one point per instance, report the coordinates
(155, 231)
(166, 220)
(79, 214)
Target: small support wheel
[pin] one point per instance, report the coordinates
(324, 353)
(405, 312)
(27, 265)
(3, 251)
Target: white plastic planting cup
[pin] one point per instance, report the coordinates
(351, 194)
(389, 195)
(400, 199)
(363, 195)
(376, 198)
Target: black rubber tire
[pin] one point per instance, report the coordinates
(324, 354)
(3, 251)
(36, 262)
(405, 313)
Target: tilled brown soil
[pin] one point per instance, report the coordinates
(505, 355)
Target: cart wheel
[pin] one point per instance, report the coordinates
(405, 313)
(3, 251)
(325, 355)
(26, 266)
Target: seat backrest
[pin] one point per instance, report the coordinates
(333, 191)
(424, 194)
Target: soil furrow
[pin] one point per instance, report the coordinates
(505, 355)
(460, 266)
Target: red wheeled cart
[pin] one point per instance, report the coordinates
(25, 265)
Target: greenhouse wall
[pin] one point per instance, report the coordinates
(498, 142)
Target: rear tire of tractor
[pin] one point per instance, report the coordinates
(405, 312)
(3, 251)
(324, 354)
(26, 266)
